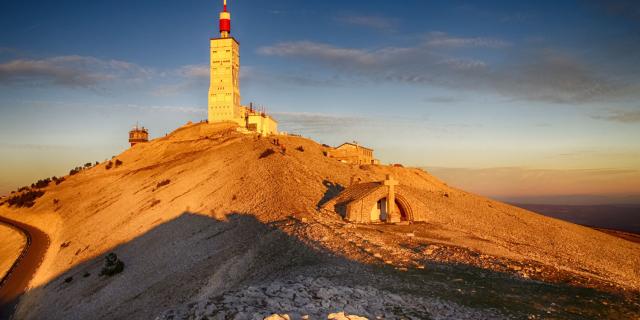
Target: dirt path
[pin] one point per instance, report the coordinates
(17, 279)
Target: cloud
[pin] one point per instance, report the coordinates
(314, 123)
(319, 51)
(194, 71)
(623, 116)
(624, 8)
(443, 99)
(68, 71)
(538, 74)
(440, 39)
(369, 21)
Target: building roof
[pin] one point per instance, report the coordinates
(357, 191)
(353, 144)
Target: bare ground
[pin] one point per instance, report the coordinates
(230, 220)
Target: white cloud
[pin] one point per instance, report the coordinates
(623, 116)
(441, 39)
(69, 71)
(538, 74)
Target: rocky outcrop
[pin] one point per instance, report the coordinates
(320, 298)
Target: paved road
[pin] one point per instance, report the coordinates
(15, 283)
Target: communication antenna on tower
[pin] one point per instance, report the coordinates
(225, 21)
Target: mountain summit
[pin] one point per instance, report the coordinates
(210, 221)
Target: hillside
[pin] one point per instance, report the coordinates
(12, 244)
(205, 211)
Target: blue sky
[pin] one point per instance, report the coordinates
(510, 99)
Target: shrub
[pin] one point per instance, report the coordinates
(300, 148)
(163, 183)
(118, 163)
(58, 180)
(109, 165)
(87, 165)
(26, 199)
(112, 265)
(42, 183)
(266, 153)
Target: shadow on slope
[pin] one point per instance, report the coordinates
(333, 190)
(195, 256)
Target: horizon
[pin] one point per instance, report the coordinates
(513, 101)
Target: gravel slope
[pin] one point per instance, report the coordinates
(230, 216)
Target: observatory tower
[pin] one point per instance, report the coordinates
(224, 90)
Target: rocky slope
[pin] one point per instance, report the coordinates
(205, 210)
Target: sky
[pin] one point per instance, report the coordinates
(522, 101)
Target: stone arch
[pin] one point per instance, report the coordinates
(405, 207)
(402, 205)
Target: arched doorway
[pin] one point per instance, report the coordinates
(379, 211)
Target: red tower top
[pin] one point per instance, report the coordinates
(225, 22)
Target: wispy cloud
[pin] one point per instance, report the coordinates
(320, 51)
(442, 99)
(369, 21)
(623, 116)
(441, 39)
(68, 71)
(315, 123)
(194, 71)
(538, 74)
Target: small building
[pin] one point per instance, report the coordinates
(138, 135)
(352, 152)
(259, 122)
(378, 202)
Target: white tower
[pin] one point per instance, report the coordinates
(224, 89)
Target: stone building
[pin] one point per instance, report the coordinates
(352, 152)
(138, 135)
(224, 90)
(377, 202)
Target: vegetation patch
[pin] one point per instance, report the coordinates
(112, 265)
(300, 148)
(75, 170)
(25, 199)
(42, 183)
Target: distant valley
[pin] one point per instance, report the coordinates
(617, 217)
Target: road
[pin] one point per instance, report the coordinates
(15, 283)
